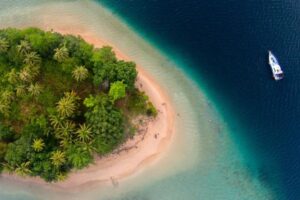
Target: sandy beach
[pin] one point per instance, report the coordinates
(143, 150)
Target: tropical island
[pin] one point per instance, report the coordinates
(63, 102)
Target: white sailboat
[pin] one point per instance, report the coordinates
(276, 69)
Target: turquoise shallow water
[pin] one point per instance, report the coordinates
(205, 162)
(226, 44)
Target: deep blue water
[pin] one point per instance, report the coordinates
(224, 46)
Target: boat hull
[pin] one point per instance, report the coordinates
(275, 67)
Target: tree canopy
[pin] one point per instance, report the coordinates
(62, 101)
(117, 90)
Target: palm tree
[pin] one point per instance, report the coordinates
(65, 130)
(78, 156)
(3, 45)
(61, 54)
(80, 161)
(12, 76)
(24, 47)
(38, 145)
(56, 121)
(66, 105)
(8, 168)
(4, 107)
(23, 169)
(84, 133)
(32, 59)
(80, 73)
(72, 96)
(88, 146)
(64, 142)
(25, 75)
(58, 158)
(28, 73)
(33, 69)
(7, 96)
(61, 177)
(20, 90)
(35, 89)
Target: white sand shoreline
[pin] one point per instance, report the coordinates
(116, 167)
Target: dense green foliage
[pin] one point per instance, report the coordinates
(61, 102)
(117, 91)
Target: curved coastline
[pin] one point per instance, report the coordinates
(200, 155)
(136, 153)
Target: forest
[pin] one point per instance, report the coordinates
(62, 102)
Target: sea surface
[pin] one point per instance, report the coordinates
(225, 44)
(238, 135)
